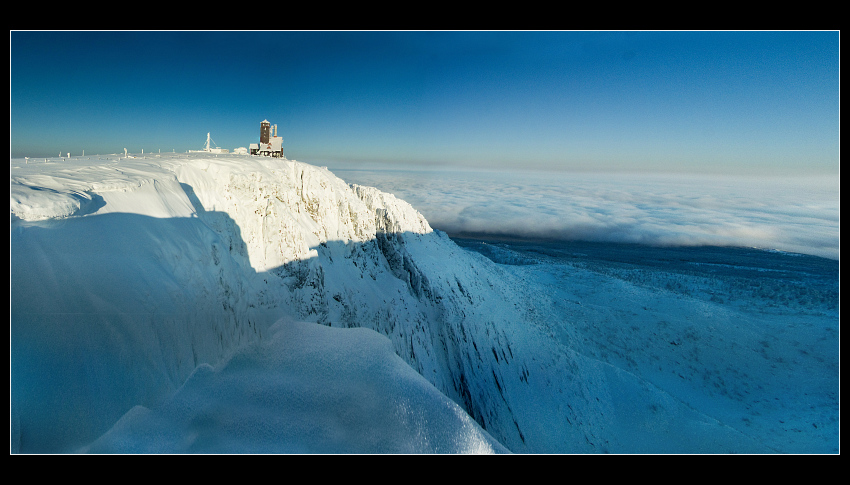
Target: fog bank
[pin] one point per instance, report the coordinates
(799, 214)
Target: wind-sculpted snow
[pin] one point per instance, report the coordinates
(131, 275)
(359, 396)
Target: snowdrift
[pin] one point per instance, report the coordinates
(306, 389)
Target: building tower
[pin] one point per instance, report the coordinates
(265, 131)
(270, 144)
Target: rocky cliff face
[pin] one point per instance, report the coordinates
(352, 256)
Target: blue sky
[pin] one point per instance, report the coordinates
(757, 102)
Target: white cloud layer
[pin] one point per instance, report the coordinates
(800, 214)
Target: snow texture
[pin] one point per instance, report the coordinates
(236, 304)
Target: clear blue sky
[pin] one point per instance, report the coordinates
(753, 101)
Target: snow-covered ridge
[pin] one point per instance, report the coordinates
(140, 284)
(194, 257)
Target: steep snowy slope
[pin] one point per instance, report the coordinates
(112, 310)
(307, 388)
(127, 275)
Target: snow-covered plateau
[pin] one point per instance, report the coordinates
(197, 303)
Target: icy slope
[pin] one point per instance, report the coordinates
(128, 275)
(305, 389)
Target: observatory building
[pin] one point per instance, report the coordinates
(270, 144)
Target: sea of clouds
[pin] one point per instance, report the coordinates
(795, 214)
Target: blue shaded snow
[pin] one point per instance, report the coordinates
(305, 389)
(747, 337)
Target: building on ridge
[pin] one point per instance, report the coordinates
(270, 144)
